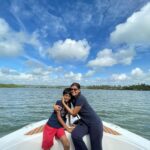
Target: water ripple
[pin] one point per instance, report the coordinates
(21, 106)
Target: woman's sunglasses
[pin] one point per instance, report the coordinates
(73, 89)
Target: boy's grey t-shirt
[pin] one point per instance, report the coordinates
(87, 114)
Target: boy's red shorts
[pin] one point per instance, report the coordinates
(48, 135)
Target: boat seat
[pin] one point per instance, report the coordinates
(40, 129)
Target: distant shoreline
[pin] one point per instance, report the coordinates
(139, 87)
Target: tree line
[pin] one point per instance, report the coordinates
(138, 87)
(144, 87)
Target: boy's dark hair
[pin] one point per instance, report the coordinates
(67, 91)
(76, 84)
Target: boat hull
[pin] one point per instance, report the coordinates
(115, 138)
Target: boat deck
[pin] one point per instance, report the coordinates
(40, 129)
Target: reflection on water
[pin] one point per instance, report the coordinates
(128, 109)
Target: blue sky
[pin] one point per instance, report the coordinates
(93, 42)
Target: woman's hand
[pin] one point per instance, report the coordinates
(73, 125)
(63, 100)
(70, 129)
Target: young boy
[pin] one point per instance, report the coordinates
(57, 124)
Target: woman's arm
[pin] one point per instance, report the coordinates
(73, 111)
(61, 121)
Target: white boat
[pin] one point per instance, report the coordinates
(115, 138)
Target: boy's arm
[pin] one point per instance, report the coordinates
(69, 119)
(57, 107)
(61, 121)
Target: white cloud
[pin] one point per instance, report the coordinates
(12, 42)
(13, 76)
(47, 71)
(4, 27)
(40, 72)
(10, 48)
(136, 30)
(8, 45)
(34, 76)
(90, 73)
(106, 58)
(125, 56)
(137, 72)
(33, 63)
(39, 67)
(73, 76)
(39, 76)
(25, 77)
(50, 76)
(137, 76)
(69, 50)
(7, 71)
(119, 77)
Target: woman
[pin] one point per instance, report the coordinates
(90, 122)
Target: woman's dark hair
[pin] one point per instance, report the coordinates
(76, 84)
(67, 91)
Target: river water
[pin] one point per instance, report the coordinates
(22, 106)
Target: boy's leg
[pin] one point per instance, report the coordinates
(65, 142)
(48, 135)
(63, 138)
(77, 136)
